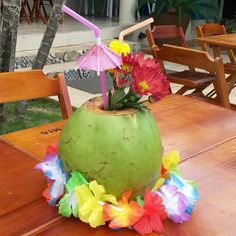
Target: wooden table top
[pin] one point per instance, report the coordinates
(206, 136)
(187, 125)
(223, 40)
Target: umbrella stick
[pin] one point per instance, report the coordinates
(104, 89)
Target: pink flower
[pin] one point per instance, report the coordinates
(154, 214)
(148, 80)
(143, 76)
(120, 79)
(145, 62)
(128, 62)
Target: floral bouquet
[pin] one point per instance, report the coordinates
(135, 78)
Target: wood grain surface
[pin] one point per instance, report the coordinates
(185, 124)
(223, 40)
(205, 138)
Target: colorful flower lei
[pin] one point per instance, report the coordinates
(171, 197)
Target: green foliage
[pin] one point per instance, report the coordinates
(121, 100)
(40, 111)
(231, 24)
(207, 9)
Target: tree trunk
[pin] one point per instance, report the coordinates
(49, 35)
(9, 21)
(46, 43)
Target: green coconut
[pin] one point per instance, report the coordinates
(121, 150)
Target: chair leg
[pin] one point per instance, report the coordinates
(44, 9)
(37, 11)
(201, 88)
(110, 8)
(93, 8)
(103, 7)
(182, 90)
(86, 7)
(222, 92)
(24, 11)
(231, 80)
(40, 14)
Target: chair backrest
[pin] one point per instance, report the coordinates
(209, 29)
(166, 32)
(25, 85)
(197, 59)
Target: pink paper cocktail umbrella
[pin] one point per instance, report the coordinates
(99, 58)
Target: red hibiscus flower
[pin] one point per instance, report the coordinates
(154, 214)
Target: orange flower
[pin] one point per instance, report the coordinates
(124, 214)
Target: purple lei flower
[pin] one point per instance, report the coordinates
(185, 187)
(175, 203)
(179, 196)
(52, 169)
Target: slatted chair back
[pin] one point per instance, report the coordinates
(166, 32)
(197, 59)
(17, 86)
(209, 29)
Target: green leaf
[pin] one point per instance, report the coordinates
(76, 179)
(65, 209)
(117, 97)
(139, 200)
(207, 9)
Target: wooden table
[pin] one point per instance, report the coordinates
(221, 41)
(205, 135)
(176, 116)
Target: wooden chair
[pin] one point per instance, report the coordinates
(208, 29)
(43, 4)
(37, 11)
(25, 10)
(166, 32)
(17, 86)
(196, 80)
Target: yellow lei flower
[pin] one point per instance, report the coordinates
(171, 159)
(91, 199)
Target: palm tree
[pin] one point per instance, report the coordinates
(49, 35)
(9, 21)
(46, 44)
